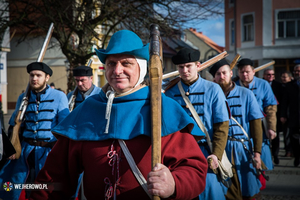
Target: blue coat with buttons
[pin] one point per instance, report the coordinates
(40, 117)
(265, 97)
(209, 102)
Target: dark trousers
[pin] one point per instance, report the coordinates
(295, 141)
(286, 139)
(275, 146)
(275, 142)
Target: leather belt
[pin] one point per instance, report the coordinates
(34, 142)
(235, 139)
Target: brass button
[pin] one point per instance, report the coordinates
(36, 112)
(35, 131)
(36, 122)
(187, 106)
(187, 93)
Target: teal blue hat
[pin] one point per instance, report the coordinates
(124, 42)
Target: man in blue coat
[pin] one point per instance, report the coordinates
(84, 85)
(246, 111)
(267, 102)
(210, 104)
(46, 108)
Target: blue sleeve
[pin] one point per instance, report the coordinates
(269, 98)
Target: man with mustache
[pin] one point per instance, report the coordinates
(46, 108)
(84, 82)
(96, 135)
(210, 104)
(245, 110)
(268, 104)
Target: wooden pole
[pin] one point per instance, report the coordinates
(234, 61)
(203, 65)
(264, 66)
(155, 73)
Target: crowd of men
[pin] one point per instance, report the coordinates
(99, 139)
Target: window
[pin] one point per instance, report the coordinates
(231, 3)
(288, 24)
(248, 28)
(232, 29)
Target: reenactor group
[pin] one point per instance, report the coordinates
(95, 143)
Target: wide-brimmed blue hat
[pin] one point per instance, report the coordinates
(124, 42)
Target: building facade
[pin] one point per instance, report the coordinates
(264, 30)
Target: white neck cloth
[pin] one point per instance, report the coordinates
(110, 94)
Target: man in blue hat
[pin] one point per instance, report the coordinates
(46, 108)
(84, 85)
(246, 111)
(108, 136)
(209, 102)
(267, 102)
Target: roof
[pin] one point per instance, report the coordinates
(207, 40)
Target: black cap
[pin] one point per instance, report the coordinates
(244, 61)
(186, 55)
(39, 66)
(82, 71)
(213, 70)
(52, 84)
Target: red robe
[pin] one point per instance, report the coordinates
(180, 153)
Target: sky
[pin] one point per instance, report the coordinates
(214, 29)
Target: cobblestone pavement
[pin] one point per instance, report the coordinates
(284, 183)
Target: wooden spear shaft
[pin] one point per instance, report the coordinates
(264, 66)
(234, 61)
(203, 65)
(155, 73)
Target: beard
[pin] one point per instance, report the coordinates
(224, 85)
(38, 87)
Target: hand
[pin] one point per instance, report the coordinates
(283, 120)
(214, 164)
(161, 182)
(12, 157)
(257, 160)
(271, 134)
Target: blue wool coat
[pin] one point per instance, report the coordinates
(209, 102)
(130, 117)
(244, 108)
(265, 97)
(79, 98)
(40, 118)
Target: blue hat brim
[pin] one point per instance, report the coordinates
(142, 53)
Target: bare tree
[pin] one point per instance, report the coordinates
(78, 24)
